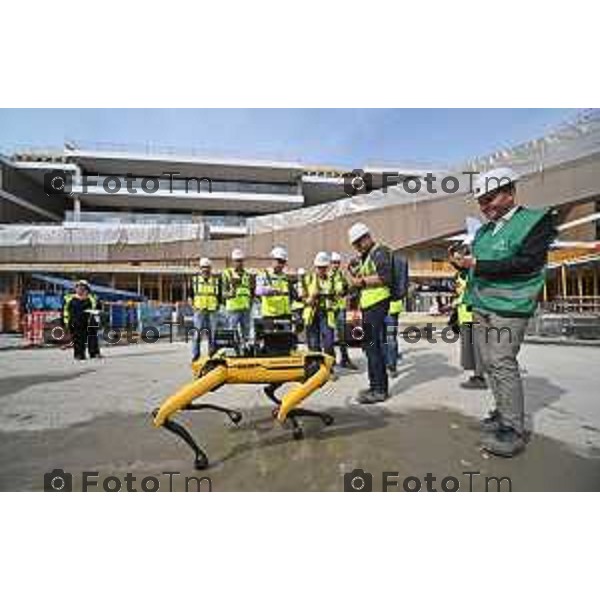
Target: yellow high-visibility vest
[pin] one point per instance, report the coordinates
(325, 287)
(370, 296)
(205, 293)
(277, 305)
(243, 292)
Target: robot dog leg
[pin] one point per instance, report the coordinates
(318, 374)
(182, 400)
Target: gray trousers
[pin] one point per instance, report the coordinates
(470, 358)
(498, 340)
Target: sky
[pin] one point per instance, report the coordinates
(338, 137)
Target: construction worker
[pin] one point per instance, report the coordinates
(340, 288)
(274, 288)
(319, 311)
(207, 294)
(298, 301)
(80, 319)
(469, 355)
(373, 279)
(506, 276)
(393, 352)
(237, 288)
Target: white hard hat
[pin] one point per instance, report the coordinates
(336, 257)
(205, 262)
(357, 231)
(301, 272)
(321, 259)
(84, 283)
(279, 253)
(493, 180)
(237, 254)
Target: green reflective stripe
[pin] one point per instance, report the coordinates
(499, 292)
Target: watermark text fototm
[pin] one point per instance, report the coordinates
(359, 181)
(59, 480)
(362, 481)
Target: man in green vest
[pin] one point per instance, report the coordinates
(205, 301)
(373, 280)
(506, 277)
(319, 311)
(275, 289)
(237, 288)
(340, 287)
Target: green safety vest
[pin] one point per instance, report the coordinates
(279, 304)
(339, 288)
(67, 302)
(325, 286)
(371, 295)
(243, 293)
(205, 293)
(396, 307)
(463, 310)
(512, 296)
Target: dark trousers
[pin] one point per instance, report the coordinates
(320, 335)
(374, 345)
(83, 335)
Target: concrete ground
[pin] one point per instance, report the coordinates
(95, 416)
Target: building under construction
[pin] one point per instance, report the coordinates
(139, 222)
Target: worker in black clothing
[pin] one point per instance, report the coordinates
(80, 318)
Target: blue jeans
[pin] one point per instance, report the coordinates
(203, 322)
(393, 352)
(240, 321)
(320, 335)
(374, 347)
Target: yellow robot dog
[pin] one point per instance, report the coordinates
(272, 360)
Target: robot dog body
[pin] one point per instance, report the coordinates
(310, 370)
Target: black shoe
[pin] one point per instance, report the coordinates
(373, 398)
(474, 383)
(348, 364)
(505, 442)
(491, 423)
(393, 371)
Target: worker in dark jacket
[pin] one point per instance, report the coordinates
(80, 317)
(506, 277)
(373, 279)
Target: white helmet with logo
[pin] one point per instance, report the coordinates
(493, 180)
(279, 253)
(321, 259)
(336, 257)
(205, 262)
(357, 231)
(237, 254)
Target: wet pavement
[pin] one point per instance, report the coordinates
(95, 417)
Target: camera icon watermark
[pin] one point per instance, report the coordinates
(357, 182)
(58, 182)
(58, 481)
(358, 481)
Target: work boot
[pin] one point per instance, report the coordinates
(505, 442)
(491, 423)
(373, 397)
(474, 383)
